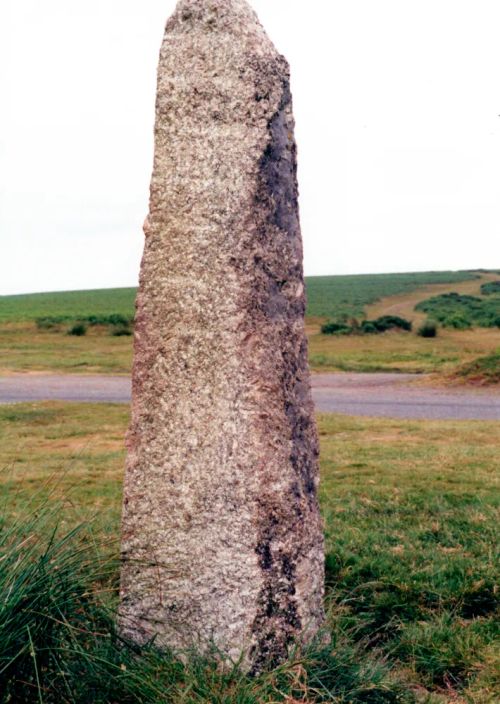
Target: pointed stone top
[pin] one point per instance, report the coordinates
(234, 17)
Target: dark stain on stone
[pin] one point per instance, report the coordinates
(263, 550)
(278, 168)
(275, 300)
(277, 622)
(305, 449)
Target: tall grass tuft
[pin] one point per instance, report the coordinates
(58, 641)
(46, 595)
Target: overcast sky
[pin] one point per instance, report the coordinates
(397, 105)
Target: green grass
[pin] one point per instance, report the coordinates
(411, 510)
(328, 296)
(58, 641)
(411, 514)
(68, 305)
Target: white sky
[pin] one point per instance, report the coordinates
(396, 103)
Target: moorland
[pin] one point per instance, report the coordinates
(34, 328)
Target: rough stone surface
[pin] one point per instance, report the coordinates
(222, 538)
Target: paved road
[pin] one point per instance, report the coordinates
(20, 388)
(399, 396)
(385, 395)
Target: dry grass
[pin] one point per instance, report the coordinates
(24, 348)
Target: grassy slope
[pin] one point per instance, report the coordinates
(327, 296)
(71, 303)
(333, 296)
(483, 371)
(410, 515)
(403, 351)
(24, 348)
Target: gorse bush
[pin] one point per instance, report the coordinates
(79, 330)
(459, 311)
(334, 328)
(47, 324)
(428, 329)
(457, 321)
(121, 331)
(388, 322)
(114, 321)
(367, 327)
(490, 288)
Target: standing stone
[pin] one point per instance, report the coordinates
(222, 538)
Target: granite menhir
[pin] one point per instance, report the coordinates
(222, 538)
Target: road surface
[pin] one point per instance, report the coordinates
(382, 395)
(398, 396)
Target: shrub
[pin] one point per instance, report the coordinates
(79, 329)
(428, 329)
(462, 312)
(380, 325)
(113, 319)
(47, 323)
(333, 328)
(457, 321)
(121, 331)
(490, 288)
(386, 322)
(389, 322)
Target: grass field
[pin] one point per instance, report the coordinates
(328, 296)
(410, 509)
(335, 296)
(24, 347)
(72, 304)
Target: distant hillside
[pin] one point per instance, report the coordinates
(71, 304)
(328, 296)
(333, 296)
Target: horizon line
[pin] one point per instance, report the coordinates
(312, 276)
